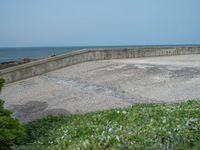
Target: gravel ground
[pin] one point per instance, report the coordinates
(101, 85)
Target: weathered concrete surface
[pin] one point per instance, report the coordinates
(100, 85)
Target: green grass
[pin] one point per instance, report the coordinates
(141, 126)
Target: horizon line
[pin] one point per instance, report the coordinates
(103, 46)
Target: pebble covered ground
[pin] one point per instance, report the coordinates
(101, 85)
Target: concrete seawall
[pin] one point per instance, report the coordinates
(24, 71)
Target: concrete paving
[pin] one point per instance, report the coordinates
(101, 85)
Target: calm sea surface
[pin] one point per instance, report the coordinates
(9, 54)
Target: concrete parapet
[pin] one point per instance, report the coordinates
(31, 69)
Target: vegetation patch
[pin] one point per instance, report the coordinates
(141, 126)
(11, 131)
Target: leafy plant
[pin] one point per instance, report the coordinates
(2, 81)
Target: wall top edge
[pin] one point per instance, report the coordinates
(82, 51)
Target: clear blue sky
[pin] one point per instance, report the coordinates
(98, 22)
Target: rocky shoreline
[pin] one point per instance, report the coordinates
(4, 65)
(7, 64)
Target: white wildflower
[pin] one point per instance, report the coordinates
(86, 142)
(117, 138)
(110, 130)
(164, 120)
(124, 112)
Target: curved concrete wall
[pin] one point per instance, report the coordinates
(31, 69)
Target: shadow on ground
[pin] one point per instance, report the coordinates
(35, 110)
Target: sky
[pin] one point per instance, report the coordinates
(27, 23)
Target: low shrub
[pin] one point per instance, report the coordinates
(2, 81)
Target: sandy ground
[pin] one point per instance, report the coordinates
(101, 85)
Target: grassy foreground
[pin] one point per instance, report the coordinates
(141, 126)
